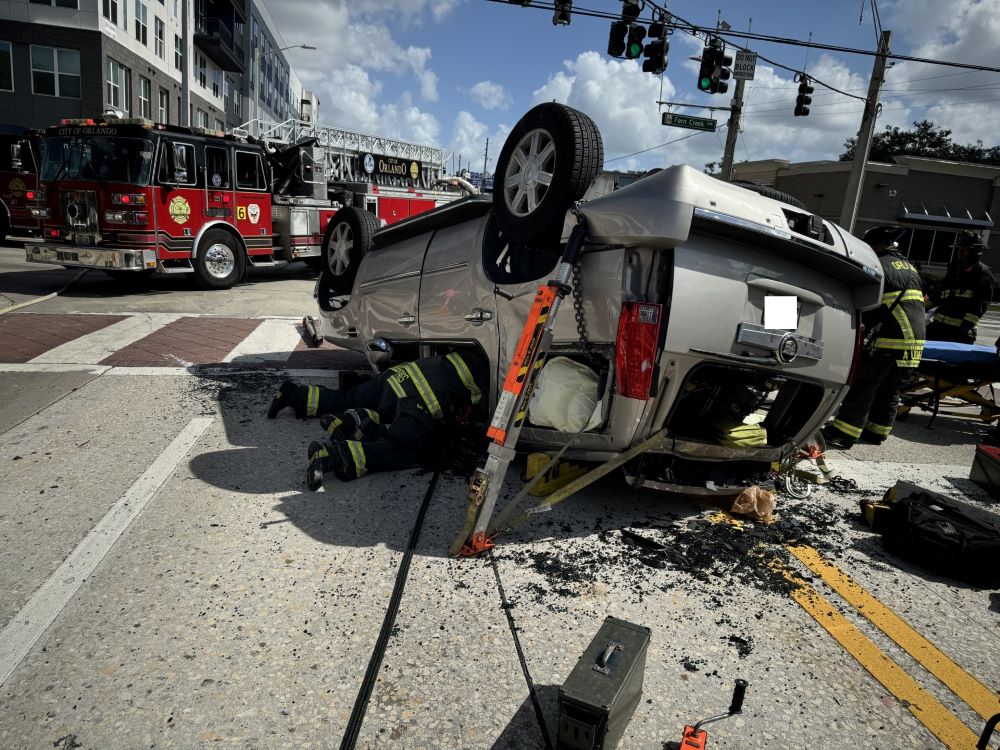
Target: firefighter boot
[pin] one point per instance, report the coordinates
(288, 395)
(320, 462)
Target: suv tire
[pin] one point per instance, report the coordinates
(220, 262)
(770, 192)
(547, 163)
(348, 237)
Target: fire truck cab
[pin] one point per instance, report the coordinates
(18, 180)
(131, 198)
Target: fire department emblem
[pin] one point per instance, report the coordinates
(368, 163)
(180, 210)
(253, 212)
(414, 170)
(17, 187)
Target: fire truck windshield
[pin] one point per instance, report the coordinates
(100, 158)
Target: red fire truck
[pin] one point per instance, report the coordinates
(18, 180)
(134, 198)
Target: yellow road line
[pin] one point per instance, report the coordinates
(979, 697)
(927, 709)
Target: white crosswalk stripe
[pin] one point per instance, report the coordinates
(272, 341)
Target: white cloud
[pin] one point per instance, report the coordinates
(490, 95)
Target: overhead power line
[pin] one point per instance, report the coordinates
(690, 27)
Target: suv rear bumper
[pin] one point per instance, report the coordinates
(92, 257)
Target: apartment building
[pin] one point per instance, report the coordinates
(173, 61)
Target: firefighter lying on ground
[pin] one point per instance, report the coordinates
(382, 425)
(893, 351)
(965, 293)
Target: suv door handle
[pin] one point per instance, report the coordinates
(407, 320)
(479, 315)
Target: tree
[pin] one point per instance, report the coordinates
(927, 140)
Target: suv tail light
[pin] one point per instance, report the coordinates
(635, 357)
(859, 337)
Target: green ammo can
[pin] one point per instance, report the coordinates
(601, 693)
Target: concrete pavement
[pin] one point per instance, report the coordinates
(172, 584)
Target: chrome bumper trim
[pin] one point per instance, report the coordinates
(91, 257)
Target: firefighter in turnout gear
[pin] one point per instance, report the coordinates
(893, 344)
(964, 295)
(382, 425)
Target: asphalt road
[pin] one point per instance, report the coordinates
(169, 582)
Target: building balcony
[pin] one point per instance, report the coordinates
(216, 40)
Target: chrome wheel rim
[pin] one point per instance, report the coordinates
(220, 261)
(339, 251)
(529, 172)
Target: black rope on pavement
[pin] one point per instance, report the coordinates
(539, 717)
(388, 623)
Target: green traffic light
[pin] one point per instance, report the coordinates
(634, 50)
(704, 84)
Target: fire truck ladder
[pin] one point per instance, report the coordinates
(344, 150)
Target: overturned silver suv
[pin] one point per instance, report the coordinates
(728, 317)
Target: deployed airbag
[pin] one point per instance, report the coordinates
(565, 396)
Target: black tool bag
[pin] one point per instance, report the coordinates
(942, 534)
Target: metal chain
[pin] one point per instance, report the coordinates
(581, 321)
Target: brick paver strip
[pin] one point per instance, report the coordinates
(195, 341)
(24, 336)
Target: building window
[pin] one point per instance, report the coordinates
(6, 68)
(119, 81)
(176, 11)
(202, 72)
(163, 106)
(110, 10)
(141, 22)
(216, 82)
(159, 34)
(55, 72)
(178, 53)
(58, 3)
(220, 125)
(145, 98)
(238, 102)
(202, 119)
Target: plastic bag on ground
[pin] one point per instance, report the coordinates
(755, 502)
(565, 396)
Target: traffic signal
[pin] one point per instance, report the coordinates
(803, 100)
(721, 73)
(617, 41)
(707, 69)
(630, 10)
(563, 11)
(656, 56)
(636, 34)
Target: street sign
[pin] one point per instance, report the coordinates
(684, 121)
(745, 64)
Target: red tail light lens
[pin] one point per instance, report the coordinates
(635, 358)
(859, 337)
(30, 195)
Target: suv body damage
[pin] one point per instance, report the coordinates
(708, 252)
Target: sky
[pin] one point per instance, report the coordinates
(456, 73)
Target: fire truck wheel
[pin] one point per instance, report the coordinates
(220, 261)
(348, 238)
(547, 163)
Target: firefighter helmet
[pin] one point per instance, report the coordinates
(882, 235)
(970, 240)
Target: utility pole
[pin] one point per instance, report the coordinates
(854, 183)
(732, 130)
(486, 157)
